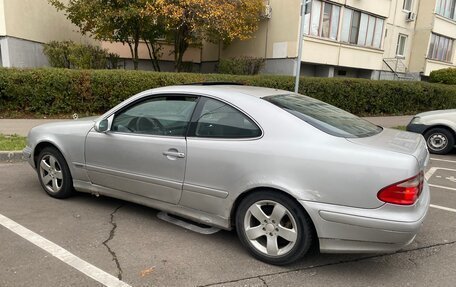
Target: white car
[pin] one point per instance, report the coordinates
(438, 128)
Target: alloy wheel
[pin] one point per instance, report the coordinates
(51, 173)
(270, 228)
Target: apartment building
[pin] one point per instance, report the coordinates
(381, 39)
(25, 25)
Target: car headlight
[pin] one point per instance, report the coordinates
(416, 120)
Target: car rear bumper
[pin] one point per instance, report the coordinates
(354, 230)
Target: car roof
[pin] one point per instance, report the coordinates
(219, 90)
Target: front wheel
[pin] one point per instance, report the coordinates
(273, 227)
(439, 140)
(54, 174)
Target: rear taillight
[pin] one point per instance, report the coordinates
(405, 192)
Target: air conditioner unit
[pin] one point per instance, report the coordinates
(411, 16)
(267, 12)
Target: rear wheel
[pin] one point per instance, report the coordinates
(439, 140)
(54, 174)
(273, 227)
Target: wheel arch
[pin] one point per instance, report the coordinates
(243, 195)
(42, 145)
(441, 126)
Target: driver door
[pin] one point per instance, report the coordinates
(144, 151)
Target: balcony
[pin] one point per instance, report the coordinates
(328, 52)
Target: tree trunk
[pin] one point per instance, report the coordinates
(136, 57)
(180, 46)
(133, 55)
(153, 54)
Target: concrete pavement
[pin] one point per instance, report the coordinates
(129, 242)
(390, 122)
(22, 126)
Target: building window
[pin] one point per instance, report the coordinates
(441, 48)
(446, 8)
(321, 19)
(401, 42)
(408, 4)
(361, 29)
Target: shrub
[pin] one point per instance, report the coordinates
(67, 54)
(444, 76)
(241, 66)
(62, 91)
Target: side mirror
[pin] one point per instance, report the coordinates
(104, 125)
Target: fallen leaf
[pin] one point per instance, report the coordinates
(147, 271)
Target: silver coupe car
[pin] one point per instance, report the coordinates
(283, 169)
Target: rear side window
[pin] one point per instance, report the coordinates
(220, 120)
(325, 117)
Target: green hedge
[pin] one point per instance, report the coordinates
(61, 91)
(444, 76)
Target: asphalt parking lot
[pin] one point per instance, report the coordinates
(122, 240)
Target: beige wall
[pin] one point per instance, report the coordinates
(378, 7)
(397, 24)
(192, 54)
(2, 19)
(275, 38)
(444, 27)
(338, 54)
(432, 65)
(37, 20)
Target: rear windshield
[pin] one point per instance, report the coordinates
(325, 117)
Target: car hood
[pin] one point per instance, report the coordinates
(437, 112)
(82, 125)
(397, 141)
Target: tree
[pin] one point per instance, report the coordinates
(191, 21)
(115, 21)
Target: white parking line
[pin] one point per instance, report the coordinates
(432, 170)
(441, 186)
(445, 160)
(443, 208)
(62, 254)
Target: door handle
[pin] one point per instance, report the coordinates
(174, 154)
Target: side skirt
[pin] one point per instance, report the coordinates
(192, 214)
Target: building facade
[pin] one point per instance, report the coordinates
(25, 25)
(381, 39)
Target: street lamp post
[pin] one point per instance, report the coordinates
(300, 42)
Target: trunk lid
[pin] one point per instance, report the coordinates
(398, 141)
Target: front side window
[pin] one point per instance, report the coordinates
(440, 48)
(401, 42)
(325, 117)
(161, 115)
(220, 120)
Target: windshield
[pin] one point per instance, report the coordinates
(325, 117)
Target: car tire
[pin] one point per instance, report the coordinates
(54, 174)
(439, 140)
(263, 217)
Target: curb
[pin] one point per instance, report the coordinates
(11, 156)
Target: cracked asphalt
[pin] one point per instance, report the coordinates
(129, 242)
